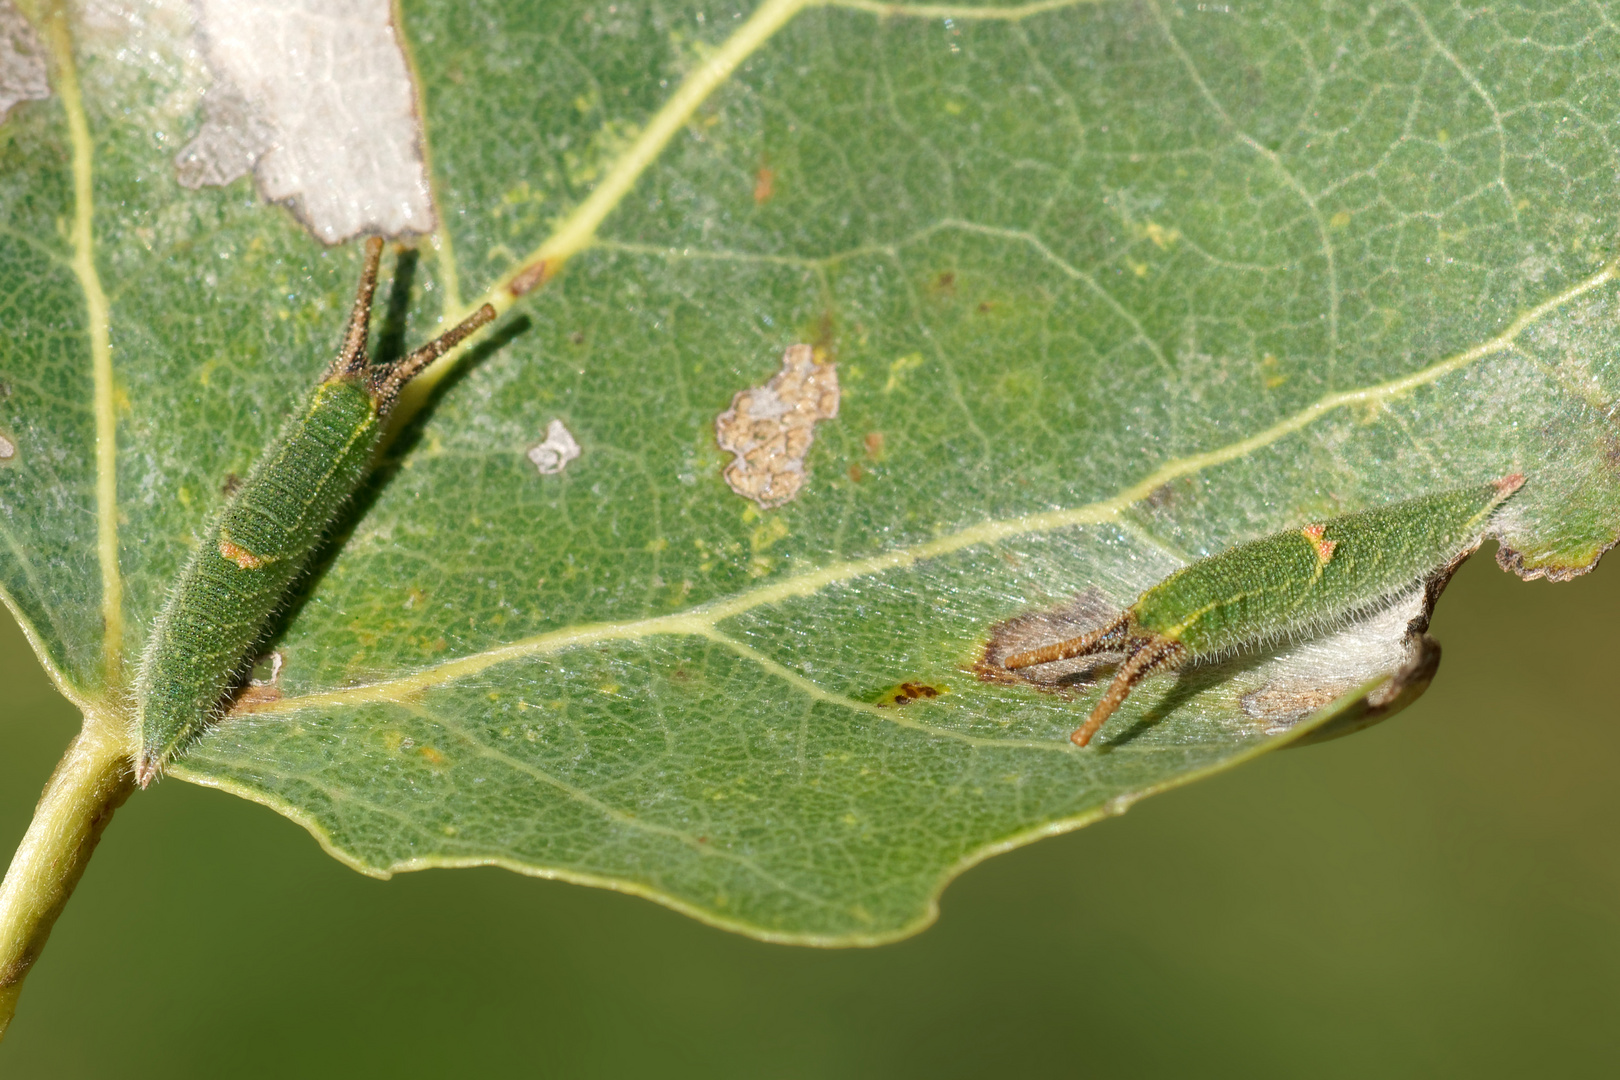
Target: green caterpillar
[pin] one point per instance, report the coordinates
(1292, 584)
(250, 557)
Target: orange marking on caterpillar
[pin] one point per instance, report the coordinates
(1324, 548)
(239, 555)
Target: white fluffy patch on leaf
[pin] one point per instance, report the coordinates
(22, 61)
(559, 448)
(1314, 673)
(314, 97)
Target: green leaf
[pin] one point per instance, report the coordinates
(1109, 287)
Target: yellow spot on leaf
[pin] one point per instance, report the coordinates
(1269, 373)
(900, 367)
(1339, 220)
(1162, 238)
(767, 534)
(431, 756)
(1367, 412)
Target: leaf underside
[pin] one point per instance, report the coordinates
(1109, 287)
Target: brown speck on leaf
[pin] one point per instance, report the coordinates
(254, 697)
(769, 428)
(231, 486)
(577, 337)
(874, 444)
(1088, 611)
(530, 278)
(856, 474)
(914, 691)
(1288, 703)
(826, 342)
(985, 307)
(945, 283)
(1161, 496)
(764, 185)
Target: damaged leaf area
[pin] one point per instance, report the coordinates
(552, 454)
(769, 429)
(1111, 288)
(316, 102)
(22, 61)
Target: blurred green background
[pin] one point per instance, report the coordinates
(1435, 896)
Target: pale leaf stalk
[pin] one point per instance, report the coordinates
(92, 780)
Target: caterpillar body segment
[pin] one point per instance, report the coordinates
(251, 556)
(1291, 584)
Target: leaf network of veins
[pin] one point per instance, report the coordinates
(703, 619)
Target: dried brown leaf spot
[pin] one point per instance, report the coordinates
(907, 692)
(1086, 612)
(769, 428)
(252, 698)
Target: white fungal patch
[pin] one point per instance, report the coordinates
(313, 96)
(769, 428)
(559, 448)
(8, 449)
(1319, 671)
(22, 61)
